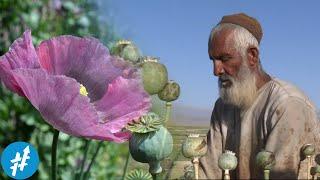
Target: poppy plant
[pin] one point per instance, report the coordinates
(76, 85)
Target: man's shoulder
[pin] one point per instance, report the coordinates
(281, 91)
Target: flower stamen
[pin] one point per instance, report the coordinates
(83, 90)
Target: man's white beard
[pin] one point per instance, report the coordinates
(243, 90)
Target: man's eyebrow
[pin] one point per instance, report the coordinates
(220, 55)
(225, 54)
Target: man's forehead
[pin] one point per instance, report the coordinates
(221, 43)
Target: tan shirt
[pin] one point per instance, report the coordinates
(282, 119)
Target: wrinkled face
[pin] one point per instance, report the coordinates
(236, 81)
(226, 60)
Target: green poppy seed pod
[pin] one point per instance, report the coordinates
(127, 50)
(170, 92)
(265, 160)
(227, 161)
(117, 47)
(308, 150)
(154, 74)
(147, 123)
(138, 174)
(152, 146)
(315, 171)
(130, 53)
(194, 146)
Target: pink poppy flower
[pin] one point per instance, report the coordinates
(76, 85)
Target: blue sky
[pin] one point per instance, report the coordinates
(177, 31)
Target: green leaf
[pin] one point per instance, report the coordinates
(4, 111)
(69, 5)
(29, 119)
(34, 19)
(84, 21)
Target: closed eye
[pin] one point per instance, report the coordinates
(225, 58)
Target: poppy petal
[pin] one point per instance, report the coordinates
(84, 59)
(58, 100)
(124, 101)
(21, 54)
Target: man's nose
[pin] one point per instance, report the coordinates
(218, 68)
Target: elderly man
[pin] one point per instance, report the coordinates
(255, 111)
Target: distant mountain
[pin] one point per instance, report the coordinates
(182, 115)
(190, 116)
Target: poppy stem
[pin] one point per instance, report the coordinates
(168, 112)
(126, 166)
(86, 147)
(54, 154)
(86, 174)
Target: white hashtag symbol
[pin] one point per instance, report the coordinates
(22, 161)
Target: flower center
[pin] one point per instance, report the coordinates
(83, 90)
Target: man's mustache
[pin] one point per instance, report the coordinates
(225, 77)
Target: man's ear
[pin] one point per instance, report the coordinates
(253, 56)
